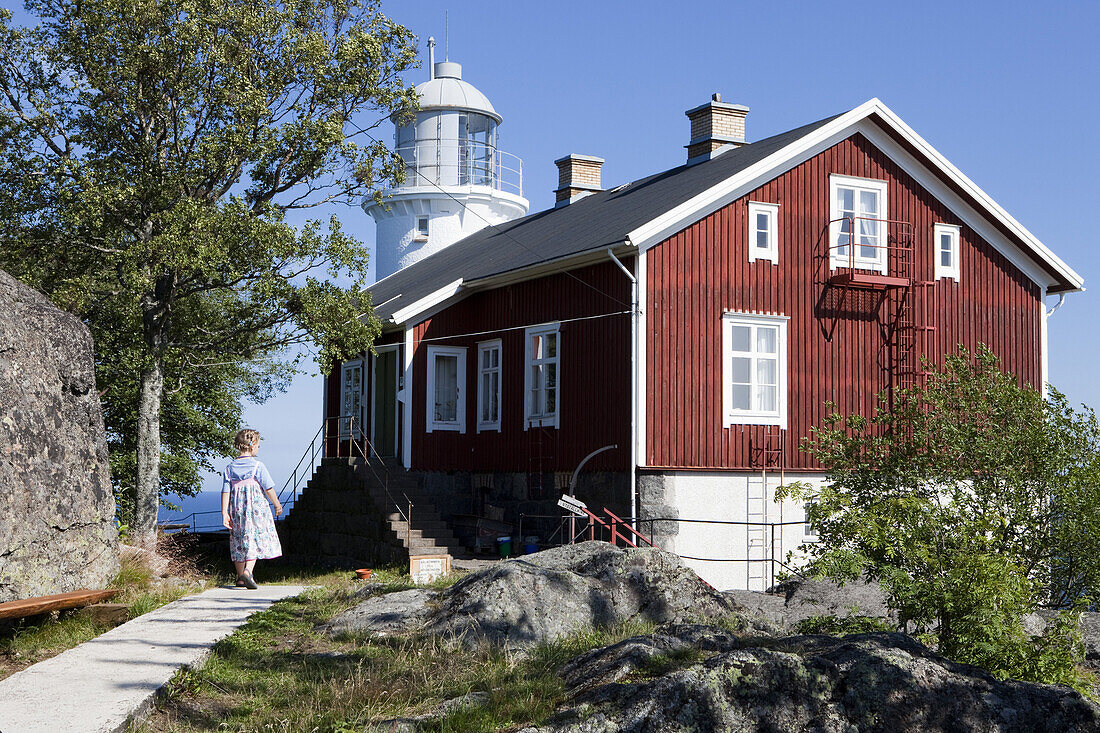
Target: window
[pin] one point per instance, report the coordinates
(754, 369)
(946, 237)
(763, 237)
(488, 385)
(858, 217)
(351, 399)
(446, 401)
(809, 529)
(421, 228)
(541, 377)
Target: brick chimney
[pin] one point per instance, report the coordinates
(715, 125)
(578, 175)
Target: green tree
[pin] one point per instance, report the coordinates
(151, 151)
(974, 502)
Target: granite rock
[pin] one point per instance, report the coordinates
(866, 682)
(57, 510)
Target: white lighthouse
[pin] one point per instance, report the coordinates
(456, 179)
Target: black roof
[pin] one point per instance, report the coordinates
(594, 222)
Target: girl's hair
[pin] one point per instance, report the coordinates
(246, 439)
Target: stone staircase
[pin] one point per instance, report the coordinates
(355, 513)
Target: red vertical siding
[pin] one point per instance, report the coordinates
(594, 379)
(704, 270)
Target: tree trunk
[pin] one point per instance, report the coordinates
(147, 499)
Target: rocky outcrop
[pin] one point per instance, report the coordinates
(797, 600)
(538, 598)
(866, 682)
(57, 530)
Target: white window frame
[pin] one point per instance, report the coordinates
(733, 416)
(482, 348)
(422, 236)
(771, 252)
(530, 418)
(952, 270)
(809, 531)
(879, 262)
(459, 423)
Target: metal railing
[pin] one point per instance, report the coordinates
(850, 237)
(338, 437)
(347, 433)
(461, 163)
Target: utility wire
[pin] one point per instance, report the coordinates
(518, 328)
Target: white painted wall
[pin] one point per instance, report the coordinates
(449, 220)
(735, 497)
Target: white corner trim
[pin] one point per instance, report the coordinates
(641, 372)
(679, 217)
(406, 399)
(428, 302)
(771, 254)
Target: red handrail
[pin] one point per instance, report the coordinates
(617, 521)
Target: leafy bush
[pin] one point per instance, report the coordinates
(974, 501)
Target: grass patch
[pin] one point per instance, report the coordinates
(26, 641)
(278, 673)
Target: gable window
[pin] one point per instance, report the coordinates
(754, 369)
(488, 385)
(857, 229)
(763, 232)
(446, 400)
(421, 228)
(541, 377)
(946, 237)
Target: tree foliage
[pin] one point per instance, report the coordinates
(974, 501)
(150, 151)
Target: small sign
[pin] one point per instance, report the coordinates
(576, 506)
(426, 568)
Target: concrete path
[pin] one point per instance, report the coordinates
(98, 685)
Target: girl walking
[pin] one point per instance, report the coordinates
(245, 513)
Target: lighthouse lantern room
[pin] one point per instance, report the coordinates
(457, 180)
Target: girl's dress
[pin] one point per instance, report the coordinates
(253, 535)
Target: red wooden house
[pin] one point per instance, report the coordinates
(698, 320)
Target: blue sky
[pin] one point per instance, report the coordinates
(1008, 91)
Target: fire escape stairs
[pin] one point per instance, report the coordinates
(905, 311)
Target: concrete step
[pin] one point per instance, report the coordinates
(427, 526)
(416, 535)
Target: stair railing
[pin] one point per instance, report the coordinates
(356, 438)
(314, 450)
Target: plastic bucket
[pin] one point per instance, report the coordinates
(504, 545)
(530, 545)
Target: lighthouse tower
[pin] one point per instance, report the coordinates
(457, 180)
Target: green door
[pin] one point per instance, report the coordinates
(385, 403)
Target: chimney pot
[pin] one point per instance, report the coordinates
(715, 125)
(578, 176)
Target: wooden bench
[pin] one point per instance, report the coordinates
(44, 604)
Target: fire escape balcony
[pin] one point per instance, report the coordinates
(868, 253)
